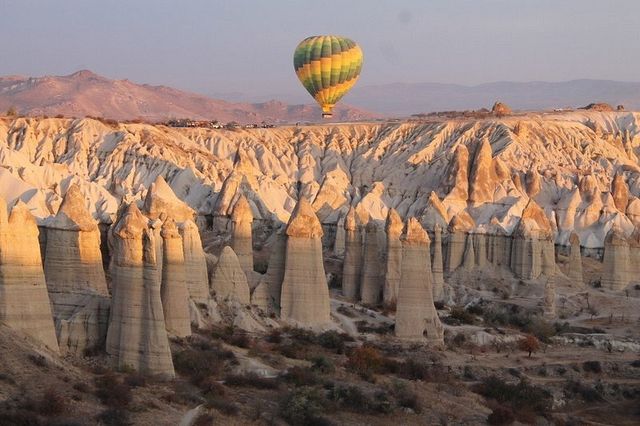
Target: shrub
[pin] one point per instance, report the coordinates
(203, 419)
(303, 406)
(501, 415)
(322, 364)
(333, 340)
(587, 393)
(407, 398)
(636, 363)
(222, 405)
(520, 398)
(112, 392)
(542, 329)
(52, 403)
(365, 361)
(300, 376)
(135, 380)
(251, 380)
(114, 417)
(200, 363)
(82, 387)
(19, 417)
(592, 367)
(529, 344)
(38, 360)
(459, 315)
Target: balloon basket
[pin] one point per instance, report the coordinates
(327, 115)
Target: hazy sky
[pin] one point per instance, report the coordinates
(247, 46)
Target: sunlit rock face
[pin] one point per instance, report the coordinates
(137, 335)
(24, 300)
(305, 294)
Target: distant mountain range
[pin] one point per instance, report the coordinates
(411, 98)
(85, 93)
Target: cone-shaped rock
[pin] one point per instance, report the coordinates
(305, 294)
(24, 300)
(195, 261)
(175, 296)
(228, 281)
(530, 238)
(457, 182)
(371, 285)
(161, 200)
(394, 227)
(352, 268)
(620, 192)
(75, 275)
(435, 213)
(437, 266)
(616, 265)
(469, 260)
(482, 179)
(137, 335)
(458, 228)
(416, 316)
(532, 180)
(241, 239)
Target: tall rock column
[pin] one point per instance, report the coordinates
(616, 265)
(532, 244)
(174, 293)
(137, 335)
(195, 262)
(75, 276)
(459, 226)
(241, 238)
(416, 316)
(352, 268)
(24, 301)
(436, 265)
(575, 262)
(305, 293)
(228, 281)
(394, 227)
(371, 286)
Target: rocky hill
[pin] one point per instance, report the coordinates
(565, 162)
(85, 93)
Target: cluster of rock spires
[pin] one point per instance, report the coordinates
(484, 216)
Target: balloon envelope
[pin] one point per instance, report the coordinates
(328, 66)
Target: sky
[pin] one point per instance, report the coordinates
(246, 46)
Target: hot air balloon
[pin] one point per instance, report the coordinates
(328, 67)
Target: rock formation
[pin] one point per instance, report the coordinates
(469, 258)
(416, 316)
(195, 261)
(437, 265)
(532, 181)
(457, 183)
(500, 109)
(339, 241)
(241, 238)
(24, 301)
(137, 335)
(480, 249)
(275, 271)
(575, 262)
(372, 282)
(305, 293)
(550, 297)
(481, 179)
(393, 230)
(616, 265)
(228, 281)
(458, 228)
(530, 238)
(620, 192)
(174, 293)
(352, 269)
(161, 200)
(75, 276)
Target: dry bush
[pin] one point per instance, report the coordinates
(112, 391)
(529, 344)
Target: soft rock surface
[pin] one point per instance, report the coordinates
(352, 267)
(241, 239)
(175, 297)
(161, 200)
(372, 279)
(75, 276)
(195, 261)
(137, 335)
(416, 316)
(393, 230)
(305, 293)
(229, 282)
(24, 301)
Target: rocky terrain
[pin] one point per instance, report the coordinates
(426, 272)
(85, 93)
